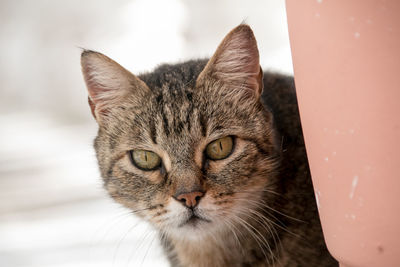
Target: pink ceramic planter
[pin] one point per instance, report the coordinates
(346, 56)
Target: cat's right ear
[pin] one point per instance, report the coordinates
(107, 83)
(236, 63)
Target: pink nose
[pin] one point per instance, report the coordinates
(191, 199)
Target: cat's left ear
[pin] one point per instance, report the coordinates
(236, 62)
(108, 83)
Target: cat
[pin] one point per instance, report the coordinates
(211, 153)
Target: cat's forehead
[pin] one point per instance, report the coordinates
(176, 77)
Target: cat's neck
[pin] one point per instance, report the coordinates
(229, 248)
(219, 250)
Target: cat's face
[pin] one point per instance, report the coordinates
(190, 153)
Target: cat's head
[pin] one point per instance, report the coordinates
(189, 147)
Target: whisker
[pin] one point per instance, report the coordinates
(261, 191)
(261, 202)
(140, 210)
(258, 237)
(120, 241)
(139, 244)
(257, 232)
(231, 228)
(114, 220)
(265, 222)
(281, 225)
(147, 251)
(259, 205)
(267, 225)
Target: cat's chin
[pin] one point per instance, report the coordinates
(194, 221)
(192, 228)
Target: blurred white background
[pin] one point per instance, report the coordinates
(53, 210)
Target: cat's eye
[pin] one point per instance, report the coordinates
(220, 148)
(145, 160)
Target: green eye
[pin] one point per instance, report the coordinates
(220, 148)
(145, 160)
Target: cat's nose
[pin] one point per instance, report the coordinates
(191, 199)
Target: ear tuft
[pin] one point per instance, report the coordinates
(236, 61)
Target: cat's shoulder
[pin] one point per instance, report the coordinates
(279, 97)
(278, 89)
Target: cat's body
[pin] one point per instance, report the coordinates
(252, 206)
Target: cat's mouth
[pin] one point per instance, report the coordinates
(194, 220)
